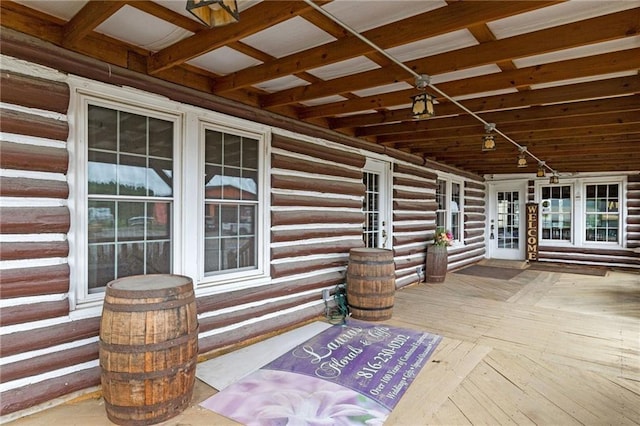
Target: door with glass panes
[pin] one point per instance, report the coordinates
(507, 221)
(376, 205)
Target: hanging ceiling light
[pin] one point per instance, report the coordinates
(541, 172)
(422, 104)
(522, 159)
(214, 13)
(554, 179)
(488, 140)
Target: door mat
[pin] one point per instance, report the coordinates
(490, 272)
(599, 271)
(352, 374)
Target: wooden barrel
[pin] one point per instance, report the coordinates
(436, 264)
(148, 348)
(371, 284)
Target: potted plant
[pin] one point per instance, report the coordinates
(437, 257)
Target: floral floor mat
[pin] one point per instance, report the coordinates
(352, 374)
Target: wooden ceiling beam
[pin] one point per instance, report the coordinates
(254, 19)
(87, 19)
(453, 17)
(608, 27)
(521, 115)
(545, 151)
(168, 15)
(523, 136)
(517, 128)
(568, 93)
(625, 60)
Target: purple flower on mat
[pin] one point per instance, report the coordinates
(273, 398)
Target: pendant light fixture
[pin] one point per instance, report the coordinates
(488, 140)
(522, 158)
(422, 104)
(541, 171)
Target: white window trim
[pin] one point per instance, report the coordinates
(188, 120)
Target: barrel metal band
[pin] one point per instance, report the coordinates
(371, 309)
(149, 347)
(371, 277)
(145, 409)
(371, 262)
(143, 307)
(149, 375)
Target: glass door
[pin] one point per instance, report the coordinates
(506, 229)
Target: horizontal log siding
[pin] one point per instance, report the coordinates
(414, 206)
(633, 211)
(626, 258)
(34, 226)
(316, 211)
(474, 225)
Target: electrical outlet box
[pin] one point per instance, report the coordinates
(326, 295)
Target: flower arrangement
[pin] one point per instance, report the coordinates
(442, 238)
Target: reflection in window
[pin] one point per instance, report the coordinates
(231, 202)
(556, 213)
(130, 189)
(602, 213)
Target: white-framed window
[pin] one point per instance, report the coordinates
(582, 211)
(148, 198)
(449, 212)
(602, 212)
(231, 202)
(556, 213)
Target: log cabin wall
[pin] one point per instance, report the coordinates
(633, 212)
(474, 226)
(414, 220)
(44, 353)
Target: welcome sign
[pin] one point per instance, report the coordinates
(351, 374)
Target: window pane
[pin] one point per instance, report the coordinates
(160, 178)
(132, 221)
(159, 257)
(101, 221)
(250, 153)
(246, 252)
(160, 138)
(102, 172)
(131, 259)
(231, 190)
(159, 221)
(230, 253)
(101, 258)
(212, 254)
(102, 128)
(132, 176)
(213, 144)
(133, 133)
(232, 150)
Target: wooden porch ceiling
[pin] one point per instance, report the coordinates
(560, 78)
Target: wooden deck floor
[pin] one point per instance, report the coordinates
(541, 348)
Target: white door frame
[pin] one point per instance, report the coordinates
(493, 251)
(383, 170)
